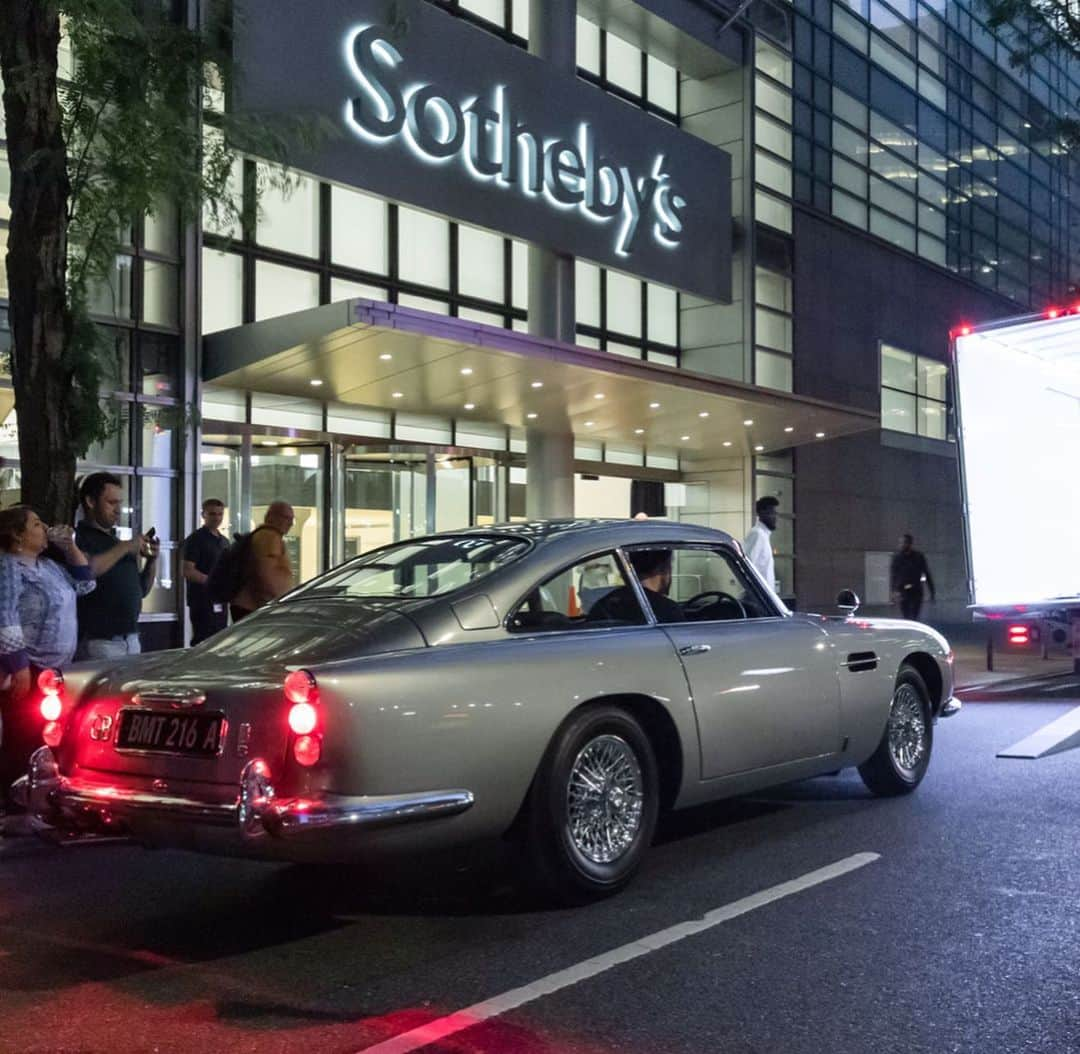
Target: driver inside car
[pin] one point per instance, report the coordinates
(653, 570)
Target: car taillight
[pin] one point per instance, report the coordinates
(303, 718)
(52, 733)
(50, 682)
(51, 707)
(307, 749)
(300, 687)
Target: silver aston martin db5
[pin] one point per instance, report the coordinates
(559, 683)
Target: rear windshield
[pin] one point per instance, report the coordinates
(425, 568)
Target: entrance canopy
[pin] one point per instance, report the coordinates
(366, 353)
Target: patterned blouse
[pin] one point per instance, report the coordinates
(38, 622)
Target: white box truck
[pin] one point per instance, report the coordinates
(1017, 399)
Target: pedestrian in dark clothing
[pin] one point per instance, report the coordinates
(908, 573)
(109, 617)
(201, 551)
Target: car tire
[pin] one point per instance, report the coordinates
(902, 757)
(583, 842)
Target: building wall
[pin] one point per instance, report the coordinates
(856, 495)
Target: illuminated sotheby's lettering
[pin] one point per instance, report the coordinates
(496, 144)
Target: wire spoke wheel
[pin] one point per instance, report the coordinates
(907, 728)
(605, 796)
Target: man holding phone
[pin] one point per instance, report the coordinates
(109, 616)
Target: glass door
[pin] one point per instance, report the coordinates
(297, 474)
(385, 499)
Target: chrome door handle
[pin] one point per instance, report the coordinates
(695, 649)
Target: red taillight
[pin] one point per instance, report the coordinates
(50, 682)
(303, 718)
(52, 733)
(1019, 635)
(51, 708)
(307, 750)
(300, 687)
(1052, 312)
(964, 331)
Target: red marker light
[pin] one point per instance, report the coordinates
(50, 682)
(52, 733)
(964, 331)
(307, 750)
(1019, 635)
(1052, 312)
(300, 687)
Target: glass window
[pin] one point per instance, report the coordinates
(710, 586)
(623, 64)
(772, 370)
(342, 289)
(159, 432)
(358, 236)
(849, 29)
(160, 293)
(773, 211)
(897, 368)
(288, 216)
(850, 109)
(623, 304)
(282, 290)
(897, 411)
(418, 569)
(772, 61)
(587, 293)
(773, 330)
(776, 175)
(849, 176)
(423, 248)
(663, 313)
(157, 364)
(892, 230)
(519, 273)
(423, 303)
(481, 264)
(592, 594)
(848, 209)
(772, 289)
(221, 290)
(226, 223)
(772, 135)
(160, 231)
(663, 81)
(491, 10)
(772, 99)
(933, 378)
(111, 297)
(588, 45)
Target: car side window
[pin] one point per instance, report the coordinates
(572, 599)
(711, 586)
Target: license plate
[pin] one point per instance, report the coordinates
(193, 735)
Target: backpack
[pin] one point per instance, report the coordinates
(226, 577)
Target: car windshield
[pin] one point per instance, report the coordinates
(424, 568)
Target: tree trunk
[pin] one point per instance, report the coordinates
(37, 254)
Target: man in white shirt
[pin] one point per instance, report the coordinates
(757, 545)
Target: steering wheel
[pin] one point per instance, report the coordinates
(697, 604)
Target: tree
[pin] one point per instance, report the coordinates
(1032, 29)
(114, 139)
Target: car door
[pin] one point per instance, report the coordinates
(764, 684)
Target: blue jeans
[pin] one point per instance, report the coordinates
(109, 647)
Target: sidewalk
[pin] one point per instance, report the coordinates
(971, 671)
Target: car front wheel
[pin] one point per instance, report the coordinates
(593, 806)
(902, 757)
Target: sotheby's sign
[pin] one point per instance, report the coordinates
(433, 112)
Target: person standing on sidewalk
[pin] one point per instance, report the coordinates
(758, 545)
(109, 617)
(202, 548)
(267, 573)
(908, 572)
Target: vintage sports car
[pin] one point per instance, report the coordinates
(559, 683)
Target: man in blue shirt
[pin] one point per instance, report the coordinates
(109, 617)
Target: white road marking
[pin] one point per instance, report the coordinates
(1060, 735)
(442, 1027)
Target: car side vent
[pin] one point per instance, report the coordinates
(861, 661)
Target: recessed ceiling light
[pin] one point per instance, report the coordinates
(397, 395)
(589, 424)
(268, 442)
(789, 429)
(470, 406)
(599, 395)
(316, 383)
(684, 438)
(727, 442)
(748, 422)
(386, 356)
(538, 384)
(819, 435)
(759, 449)
(654, 406)
(531, 417)
(704, 413)
(639, 431)
(466, 371)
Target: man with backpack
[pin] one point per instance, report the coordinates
(260, 563)
(202, 549)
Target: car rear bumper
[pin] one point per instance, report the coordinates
(256, 812)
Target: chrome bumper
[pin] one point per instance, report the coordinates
(78, 806)
(952, 707)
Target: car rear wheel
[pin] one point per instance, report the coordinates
(593, 806)
(902, 757)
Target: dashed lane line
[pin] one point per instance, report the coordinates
(442, 1027)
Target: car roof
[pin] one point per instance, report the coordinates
(624, 531)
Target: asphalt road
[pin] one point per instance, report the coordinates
(962, 935)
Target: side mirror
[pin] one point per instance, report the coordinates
(848, 601)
